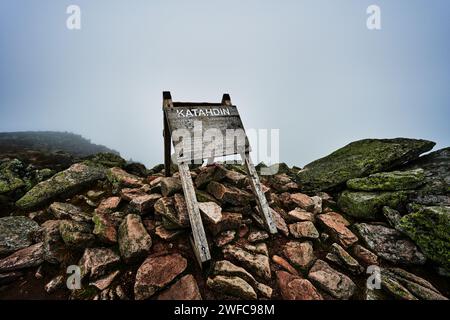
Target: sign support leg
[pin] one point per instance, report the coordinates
(200, 243)
(261, 200)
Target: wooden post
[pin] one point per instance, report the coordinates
(200, 243)
(263, 206)
(255, 184)
(167, 103)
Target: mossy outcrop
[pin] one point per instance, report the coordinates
(436, 187)
(10, 179)
(429, 228)
(389, 181)
(62, 184)
(368, 205)
(359, 159)
(107, 160)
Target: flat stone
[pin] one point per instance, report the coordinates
(76, 235)
(184, 289)
(304, 229)
(295, 288)
(134, 241)
(300, 254)
(298, 215)
(96, 262)
(165, 234)
(62, 210)
(170, 186)
(257, 236)
(226, 268)
(284, 264)
(365, 255)
(237, 179)
(129, 194)
(225, 238)
(341, 257)
(143, 204)
(55, 284)
(174, 210)
(156, 273)
(108, 205)
(105, 282)
(210, 173)
(229, 195)
(233, 286)
(368, 205)
(280, 223)
(229, 221)
(211, 211)
(120, 179)
(337, 230)
(62, 184)
(303, 201)
(335, 283)
(15, 233)
(255, 262)
(105, 227)
(28, 257)
(390, 244)
(260, 248)
(55, 250)
(389, 181)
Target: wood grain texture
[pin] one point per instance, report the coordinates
(261, 200)
(198, 232)
(201, 131)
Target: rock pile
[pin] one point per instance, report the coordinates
(127, 229)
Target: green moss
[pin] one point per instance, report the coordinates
(10, 179)
(368, 205)
(429, 228)
(359, 159)
(388, 181)
(64, 183)
(106, 160)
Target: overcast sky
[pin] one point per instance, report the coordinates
(309, 68)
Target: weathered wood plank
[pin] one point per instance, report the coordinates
(213, 131)
(167, 103)
(198, 232)
(261, 200)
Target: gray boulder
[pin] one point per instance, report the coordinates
(359, 159)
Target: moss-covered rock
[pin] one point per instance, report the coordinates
(62, 184)
(107, 160)
(436, 188)
(76, 235)
(368, 205)
(388, 181)
(15, 233)
(359, 159)
(10, 179)
(429, 228)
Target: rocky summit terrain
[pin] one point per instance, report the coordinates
(373, 212)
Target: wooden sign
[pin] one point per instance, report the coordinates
(205, 131)
(201, 131)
